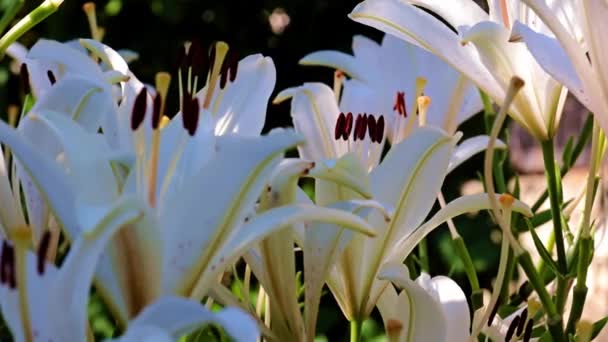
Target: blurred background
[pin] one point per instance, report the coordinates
(285, 31)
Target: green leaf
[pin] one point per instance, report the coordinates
(542, 251)
(567, 154)
(598, 326)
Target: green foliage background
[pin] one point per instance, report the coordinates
(156, 28)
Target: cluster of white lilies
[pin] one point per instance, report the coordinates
(105, 187)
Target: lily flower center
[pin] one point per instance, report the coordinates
(399, 105)
(353, 132)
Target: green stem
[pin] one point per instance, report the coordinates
(580, 289)
(554, 198)
(40, 13)
(10, 14)
(554, 319)
(469, 268)
(355, 330)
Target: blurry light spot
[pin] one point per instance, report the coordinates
(278, 20)
(157, 7)
(113, 7)
(208, 16)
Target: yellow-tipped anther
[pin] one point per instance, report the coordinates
(506, 200)
(163, 79)
(164, 121)
(21, 235)
(419, 90)
(90, 11)
(338, 80)
(423, 107)
(221, 50)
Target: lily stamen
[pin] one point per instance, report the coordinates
(43, 249)
(51, 77)
(90, 11)
(423, 107)
(7, 265)
(22, 236)
(216, 59)
(399, 105)
(338, 82)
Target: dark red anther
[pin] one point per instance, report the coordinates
(139, 109)
(194, 53)
(360, 132)
(340, 124)
(25, 78)
(528, 332)
(522, 322)
(51, 77)
(380, 129)
(186, 103)
(348, 126)
(4, 270)
(512, 328)
(224, 75)
(156, 111)
(233, 67)
(194, 108)
(399, 105)
(371, 127)
(493, 312)
(43, 248)
(7, 265)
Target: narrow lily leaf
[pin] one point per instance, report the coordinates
(567, 154)
(47, 176)
(469, 148)
(265, 224)
(461, 205)
(335, 60)
(177, 316)
(598, 326)
(540, 248)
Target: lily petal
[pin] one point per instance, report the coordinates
(177, 316)
(236, 176)
(469, 148)
(335, 60)
(416, 26)
(461, 205)
(425, 320)
(314, 112)
(457, 13)
(47, 177)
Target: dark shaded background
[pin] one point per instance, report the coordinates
(156, 29)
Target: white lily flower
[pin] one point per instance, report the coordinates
(407, 182)
(383, 75)
(427, 309)
(32, 291)
(436, 309)
(480, 50)
(273, 260)
(572, 52)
